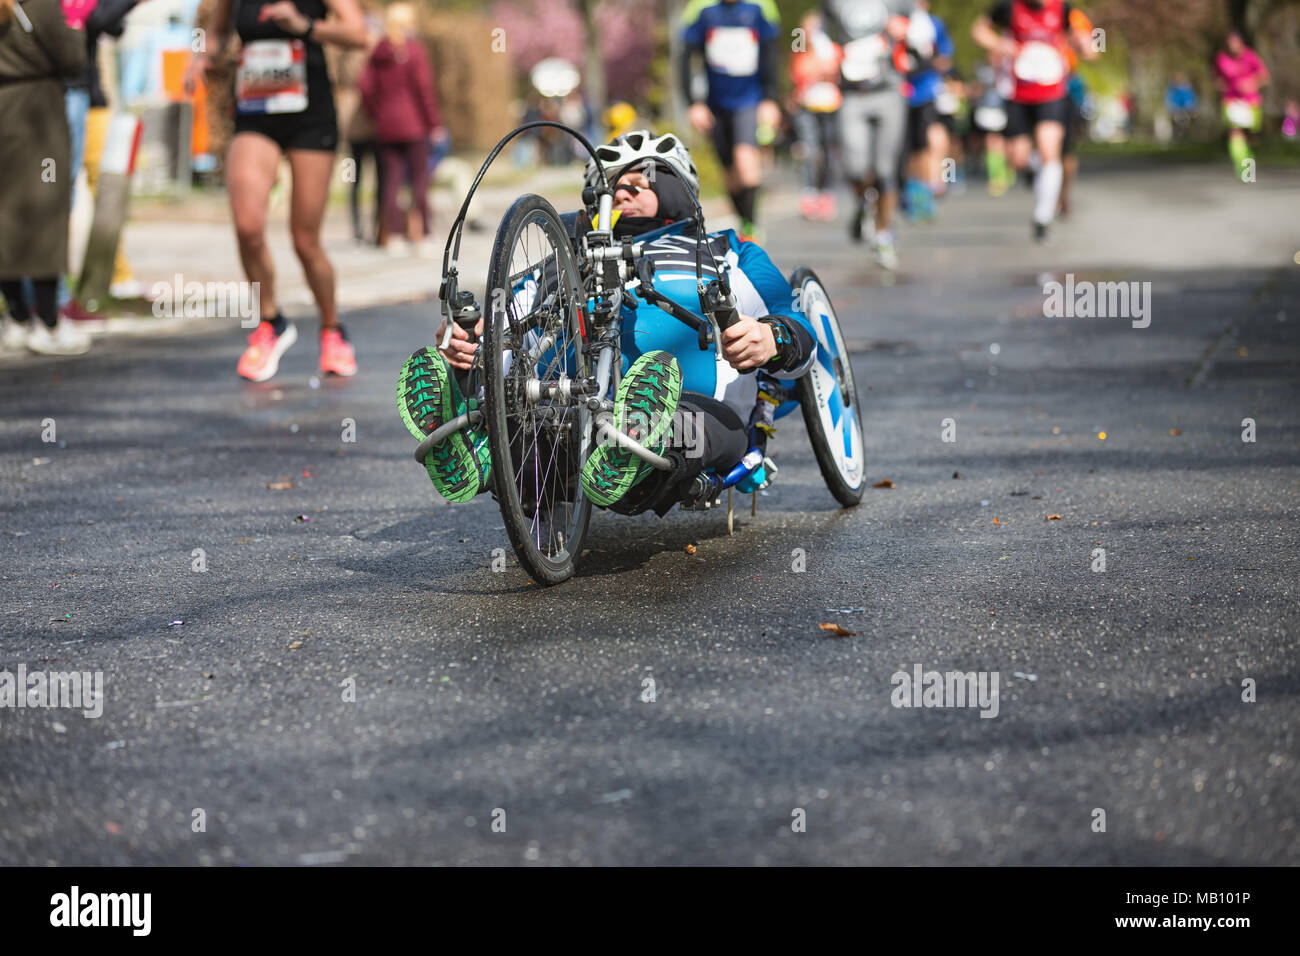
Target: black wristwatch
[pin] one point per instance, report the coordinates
(784, 342)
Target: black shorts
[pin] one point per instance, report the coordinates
(919, 120)
(1074, 127)
(732, 127)
(312, 129)
(1022, 118)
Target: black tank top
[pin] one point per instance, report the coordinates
(320, 95)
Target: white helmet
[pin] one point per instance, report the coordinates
(641, 144)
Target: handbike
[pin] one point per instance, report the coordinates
(550, 362)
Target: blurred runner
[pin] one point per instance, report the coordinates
(873, 117)
(284, 106)
(929, 51)
(1076, 126)
(1033, 36)
(1181, 102)
(989, 124)
(740, 43)
(815, 70)
(1241, 74)
(38, 53)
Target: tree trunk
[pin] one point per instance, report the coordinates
(593, 67)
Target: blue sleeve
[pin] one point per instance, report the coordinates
(779, 298)
(777, 293)
(693, 25)
(942, 40)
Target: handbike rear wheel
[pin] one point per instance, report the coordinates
(531, 339)
(829, 397)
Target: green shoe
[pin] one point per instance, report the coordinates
(427, 396)
(645, 404)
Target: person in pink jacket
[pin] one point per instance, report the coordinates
(397, 92)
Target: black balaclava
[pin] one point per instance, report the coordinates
(674, 200)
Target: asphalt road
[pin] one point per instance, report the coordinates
(478, 692)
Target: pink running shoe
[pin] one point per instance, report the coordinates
(336, 354)
(826, 207)
(261, 359)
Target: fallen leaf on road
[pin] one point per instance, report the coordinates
(1053, 518)
(996, 521)
(295, 645)
(1175, 432)
(690, 549)
(279, 485)
(113, 828)
(884, 483)
(835, 630)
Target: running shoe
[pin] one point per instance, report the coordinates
(826, 207)
(13, 335)
(809, 206)
(882, 249)
(644, 407)
(261, 359)
(1041, 233)
(336, 354)
(427, 396)
(64, 339)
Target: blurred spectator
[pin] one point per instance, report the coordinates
(1291, 119)
(357, 128)
(1181, 103)
(108, 18)
(397, 91)
(39, 52)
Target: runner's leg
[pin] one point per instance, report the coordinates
(251, 165)
(311, 182)
(1048, 136)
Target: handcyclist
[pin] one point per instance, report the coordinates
(873, 116)
(1241, 74)
(740, 43)
(1032, 35)
(667, 377)
(284, 105)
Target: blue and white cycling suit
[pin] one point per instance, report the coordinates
(760, 290)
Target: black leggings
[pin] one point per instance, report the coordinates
(47, 300)
(719, 437)
(709, 434)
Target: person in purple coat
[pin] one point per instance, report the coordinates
(397, 92)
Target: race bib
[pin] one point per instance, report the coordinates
(732, 50)
(822, 97)
(272, 77)
(1239, 113)
(864, 60)
(991, 118)
(1040, 63)
(947, 103)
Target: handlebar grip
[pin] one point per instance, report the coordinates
(468, 323)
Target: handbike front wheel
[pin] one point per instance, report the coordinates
(829, 397)
(533, 339)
